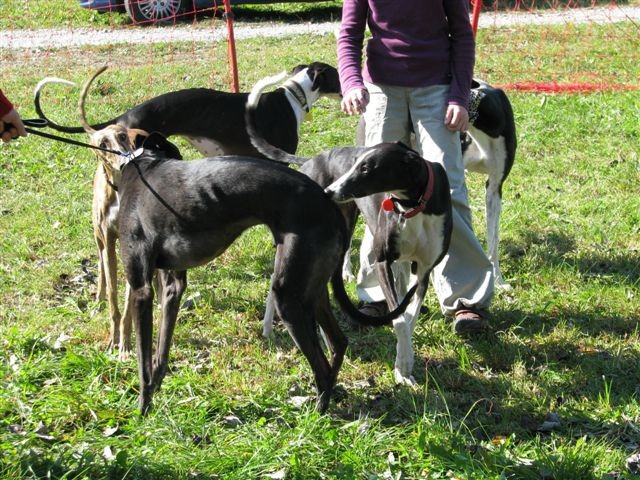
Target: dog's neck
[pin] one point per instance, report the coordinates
(300, 94)
(111, 176)
(415, 199)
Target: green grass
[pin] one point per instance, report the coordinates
(563, 341)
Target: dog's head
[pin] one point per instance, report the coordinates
(386, 167)
(324, 78)
(159, 144)
(118, 139)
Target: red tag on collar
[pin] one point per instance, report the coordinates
(387, 205)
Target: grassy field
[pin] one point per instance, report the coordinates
(563, 344)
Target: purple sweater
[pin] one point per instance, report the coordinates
(414, 43)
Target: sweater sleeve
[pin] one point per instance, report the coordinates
(462, 51)
(5, 105)
(350, 43)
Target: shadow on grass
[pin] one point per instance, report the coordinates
(608, 265)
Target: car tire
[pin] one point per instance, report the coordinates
(154, 11)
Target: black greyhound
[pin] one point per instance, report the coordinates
(213, 121)
(415, 226)
(175, 215)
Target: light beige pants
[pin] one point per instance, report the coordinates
(464, 278)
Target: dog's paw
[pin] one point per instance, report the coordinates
(124, 352)
(402, 379)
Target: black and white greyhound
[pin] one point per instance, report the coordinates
(176, 215)
(412, 220)
(488, 147)
(213, 121)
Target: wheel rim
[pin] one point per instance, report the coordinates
(158, 9)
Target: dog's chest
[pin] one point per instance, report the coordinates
(112, 214)
(421, 238)
(206, 146)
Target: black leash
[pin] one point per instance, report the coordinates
(42, 123)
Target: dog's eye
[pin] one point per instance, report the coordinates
(364, 168)
(122, 137)
(103, 144)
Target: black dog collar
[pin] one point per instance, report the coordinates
(298, 93)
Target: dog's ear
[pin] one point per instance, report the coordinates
(317, 75)
(407, 148)
(298, 69)
(137, 137)
(159, 143)
(324, 78)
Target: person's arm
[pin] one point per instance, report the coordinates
(350, 43)
(462, 51)
(462, 63)
(8, 114)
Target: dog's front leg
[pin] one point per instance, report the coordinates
(403, 327)
(125, 326)
(110, 272)
(173, 286)
(142, 306)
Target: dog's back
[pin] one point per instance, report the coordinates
(220, 198)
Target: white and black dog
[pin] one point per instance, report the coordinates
(213, 121)
(489, 147)
(415, 225)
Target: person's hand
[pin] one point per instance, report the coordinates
(355, 101)
(17, 127)
(457, 118)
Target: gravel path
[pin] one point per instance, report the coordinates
(57, 38)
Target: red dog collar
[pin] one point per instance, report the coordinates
(388, 204)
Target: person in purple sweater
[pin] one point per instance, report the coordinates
(417, 77)
(8, 114)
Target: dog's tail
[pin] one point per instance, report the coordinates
(40, 112)
(83, 96)
(50, 123)
(343, 300)
(257, 140)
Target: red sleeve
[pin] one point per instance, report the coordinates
(5, 105)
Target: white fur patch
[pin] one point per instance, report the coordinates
(419, 239)
(206, 146)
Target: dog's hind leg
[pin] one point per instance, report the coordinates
(493, 198)
(335, 340)
(173, 286)
(269, 311)
(298, 315)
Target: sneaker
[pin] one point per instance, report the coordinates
(468, 321)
